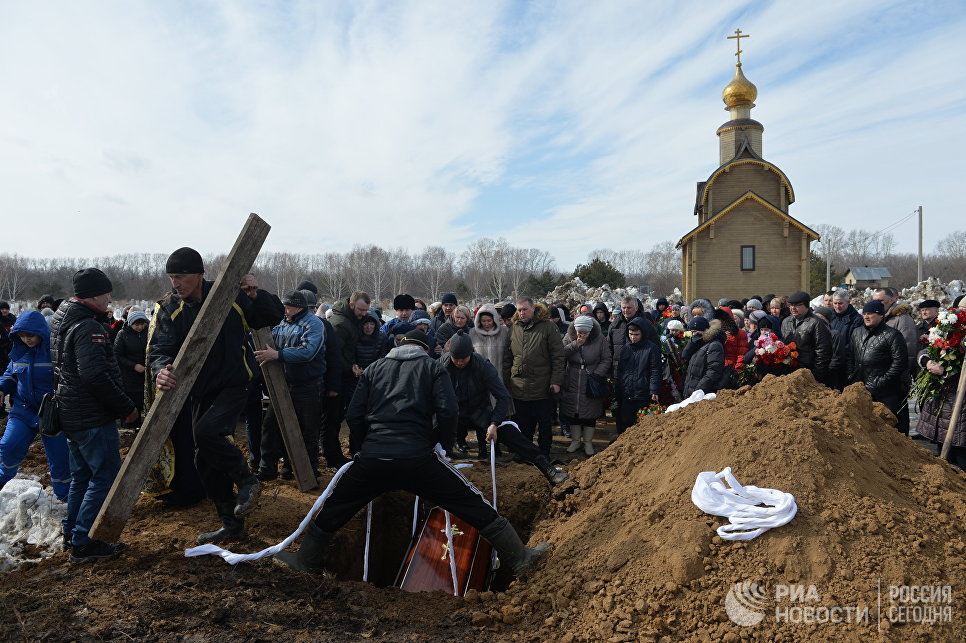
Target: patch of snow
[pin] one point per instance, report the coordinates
(30, 514)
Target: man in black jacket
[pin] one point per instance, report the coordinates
(845, 320)
(474, 381)
(91, 399)
(392, 432)
(811, 335)
(878, 358)
(220, 392)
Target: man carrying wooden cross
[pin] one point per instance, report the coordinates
(220, 391)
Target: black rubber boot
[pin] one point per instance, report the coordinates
(521, 559)
(231, 525)
(248, 493)
(549, 471)
(310, 558)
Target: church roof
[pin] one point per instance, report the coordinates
(757, 161)
(753, 197)
(870, 274)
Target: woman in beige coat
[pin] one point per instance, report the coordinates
(489, 336)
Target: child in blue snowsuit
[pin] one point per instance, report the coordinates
(28, 377)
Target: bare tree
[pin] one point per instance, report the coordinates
(435, 269)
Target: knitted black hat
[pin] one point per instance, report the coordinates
(311, 299)
(295, 299)
(450, 298)
(416, 337)
(305, 284)
(508, 311)
(460, 345)
(403, 302)
(874, 306)
(91, 282)
(184, 261)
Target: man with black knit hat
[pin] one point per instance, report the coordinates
(475, 381)
(404, 305)
(394, 436)
(220, 391)
(445, 312)
(91, 397)
(811, 335)
(300, 347)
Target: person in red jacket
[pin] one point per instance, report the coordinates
(736, 340)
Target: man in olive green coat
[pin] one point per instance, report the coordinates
(533, 369)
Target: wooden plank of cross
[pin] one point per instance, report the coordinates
(120, 500)
(288, 421)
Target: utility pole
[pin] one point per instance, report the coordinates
(828, 266)
(919, 264)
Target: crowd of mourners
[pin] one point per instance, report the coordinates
(516, 370)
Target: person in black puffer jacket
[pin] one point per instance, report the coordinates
(91, 399)
(373, 343)
(705, 356)
(639, 370)
(130, 348)
(879, 358)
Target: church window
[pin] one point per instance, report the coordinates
(747, 257)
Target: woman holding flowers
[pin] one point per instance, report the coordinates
(937, 383)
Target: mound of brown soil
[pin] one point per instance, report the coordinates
(634, 559)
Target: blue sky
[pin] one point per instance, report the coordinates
(566, 126)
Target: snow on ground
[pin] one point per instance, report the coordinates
(29, 515)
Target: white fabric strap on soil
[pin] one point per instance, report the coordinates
(234, 559)
(697, 396)
(741, 505)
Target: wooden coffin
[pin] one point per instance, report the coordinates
(426, 567)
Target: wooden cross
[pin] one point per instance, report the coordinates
(737, 38)
(157, 424)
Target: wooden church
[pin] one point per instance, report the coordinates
(745, 242)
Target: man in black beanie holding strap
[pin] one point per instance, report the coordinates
(91, 398)
(220, 391)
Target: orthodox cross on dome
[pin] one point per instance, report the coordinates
(737, 38)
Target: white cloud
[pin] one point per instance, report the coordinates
(146, 126)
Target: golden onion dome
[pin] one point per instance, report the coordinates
(740, 91)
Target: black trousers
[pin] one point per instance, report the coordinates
(508, 435)
(186, 485)
(627, 410)
(532, 415)
(220, 463)
(253, 418)
(307, 400)
(333, 408)
(430, 477)
(899, 406)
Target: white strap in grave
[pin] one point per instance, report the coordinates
(234, 559)
(740, 504)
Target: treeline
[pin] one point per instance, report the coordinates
(860, 248)
(486, 269)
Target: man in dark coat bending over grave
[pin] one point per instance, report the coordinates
(393, 436)
(220, 392)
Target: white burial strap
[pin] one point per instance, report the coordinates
(742, 505)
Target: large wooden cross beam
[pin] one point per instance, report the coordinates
(167, 405)
(288, 421)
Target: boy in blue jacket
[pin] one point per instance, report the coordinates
(29, 375)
